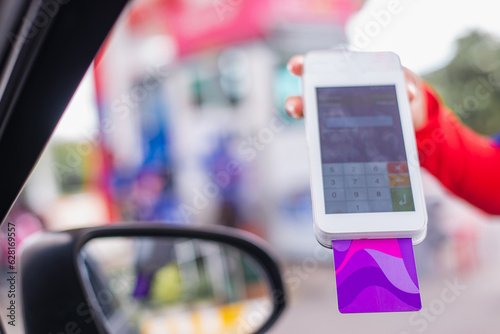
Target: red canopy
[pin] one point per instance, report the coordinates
(197, 26)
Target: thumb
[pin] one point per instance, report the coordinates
(412, 90)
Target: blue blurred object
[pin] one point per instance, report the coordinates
(496, 139)
(147, 193)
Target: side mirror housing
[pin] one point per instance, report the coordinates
(143, 278)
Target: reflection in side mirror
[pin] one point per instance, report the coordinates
(149, 278)
(175, 285)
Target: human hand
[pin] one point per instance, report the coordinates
(295, 107)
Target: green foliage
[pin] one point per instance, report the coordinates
(470, 83)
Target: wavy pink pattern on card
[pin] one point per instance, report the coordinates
(376, 275)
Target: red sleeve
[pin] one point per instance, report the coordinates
(465, 162)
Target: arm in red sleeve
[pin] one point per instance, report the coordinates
(465, 162)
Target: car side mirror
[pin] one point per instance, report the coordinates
(142, 278)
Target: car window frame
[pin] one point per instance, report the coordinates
(39, 78)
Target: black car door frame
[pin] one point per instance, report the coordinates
(46, 47)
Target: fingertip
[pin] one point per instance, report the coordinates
(296, 64)
(294, 107)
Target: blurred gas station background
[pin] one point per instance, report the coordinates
(181, 120)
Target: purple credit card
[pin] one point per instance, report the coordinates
(376, 275)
